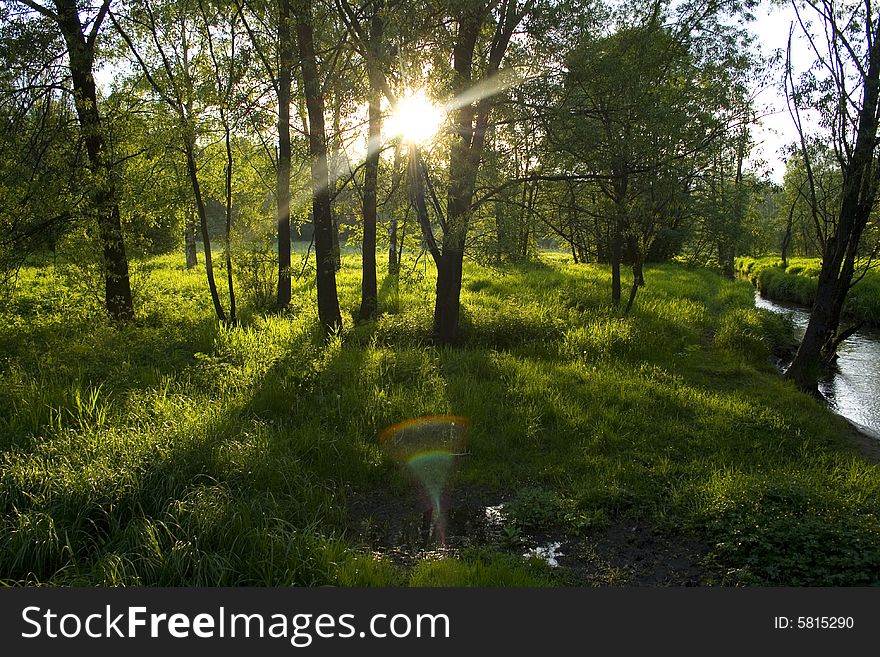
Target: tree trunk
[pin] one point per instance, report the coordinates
(117, 286)
(464, 158)
(189, 237)
(393, 251)
(328, 301)
(282, 181)
(726, 259)
(786, 238)
(637, 272)
(334, 170)
(616, 257)
(448, 294)
(369, 292)
(228, 235)
(192, 170)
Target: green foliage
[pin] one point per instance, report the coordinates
(786, 531)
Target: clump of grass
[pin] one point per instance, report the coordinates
(480, 570)
(752, 333)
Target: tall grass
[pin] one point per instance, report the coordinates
(175, 451)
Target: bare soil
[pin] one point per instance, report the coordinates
(627, 553)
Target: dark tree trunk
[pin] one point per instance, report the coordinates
(369, 291)
(189, 237)
(282, 181)
(726, 260)
(637, 272)
(621, 186)
(228, 235)
(193, 172)
(470, 123)
(117, 286)
(334, 168)
(786, 238)
(616, 257)
(393, 261)
(328, 301)
(447, 306)
(393, 249)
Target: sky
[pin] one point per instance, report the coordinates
(775, 129)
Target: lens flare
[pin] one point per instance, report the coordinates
(427, 448)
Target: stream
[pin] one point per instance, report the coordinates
(853, 390)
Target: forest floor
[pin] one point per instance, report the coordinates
(656, 448)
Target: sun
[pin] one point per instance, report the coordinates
(415, 118)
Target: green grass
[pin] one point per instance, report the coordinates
(797, 283)
(178, 452)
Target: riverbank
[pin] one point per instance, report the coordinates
(852, 387)
(796, 283)
(656, 448)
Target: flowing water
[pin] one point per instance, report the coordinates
(853, 390)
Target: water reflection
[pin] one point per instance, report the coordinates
(854, 389)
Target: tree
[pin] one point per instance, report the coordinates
(372, 48)
(41, 174)
(844, 89)
(166, 53)
(470, 122)
(328, 301)
(80, 28)
(642, 108)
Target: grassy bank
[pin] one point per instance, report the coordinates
(175, 451)
(796, 283)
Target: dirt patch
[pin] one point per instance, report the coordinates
(633, 553)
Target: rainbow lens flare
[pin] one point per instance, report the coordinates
(427, 447)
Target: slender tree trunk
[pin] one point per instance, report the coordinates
(621, 185)
(228, 234)
(334, 170)
(392, 245)
(117, 286)
(727, 246)
(393, 254)
(282, 181)
(189, 237)
(328, 301)
(369, 293)
(193, 172)
(786, 238)
(616, 257)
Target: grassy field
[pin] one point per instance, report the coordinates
(797, 283)
(656, 448)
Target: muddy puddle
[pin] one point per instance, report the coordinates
(628, 554)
